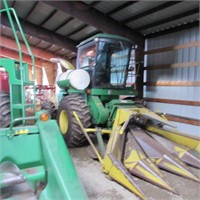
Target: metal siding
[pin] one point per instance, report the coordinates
(174, 74)
(56, 20)
(135, 9)
(81, 34)
(40, 13)
(171, 24)
(179, 110)
(22, 8)
(163, 14)
(106, 6)
(69, 27)
(188, 129)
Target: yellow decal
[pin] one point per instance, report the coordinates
(22, 131)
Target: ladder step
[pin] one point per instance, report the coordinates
(28, 83)
(25, 83)
(20, 106)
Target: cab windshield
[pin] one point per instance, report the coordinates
(107, 62)
(112, 63)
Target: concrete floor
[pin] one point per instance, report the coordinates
(98, 187)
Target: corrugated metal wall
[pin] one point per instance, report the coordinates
(173, 73)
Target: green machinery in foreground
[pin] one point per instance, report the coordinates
(92, 102)
(34, 160)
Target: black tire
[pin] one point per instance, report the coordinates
(73, 135)
(4, 110)
(50, 107)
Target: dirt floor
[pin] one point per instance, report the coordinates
(98, 187)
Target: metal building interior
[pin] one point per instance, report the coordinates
(166, 65)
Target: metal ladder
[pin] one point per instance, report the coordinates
(18, 72)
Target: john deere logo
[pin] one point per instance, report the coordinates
(21, 131)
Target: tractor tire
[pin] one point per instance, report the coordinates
(69, 127)
(50, 107)
(4, 110)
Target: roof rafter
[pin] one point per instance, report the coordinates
(51, 14)
(31, 10)
(95, 18)
(125, 5)
(63, 24)
(89, 35)
(169, 19)
(80, 28)
(175, 29)
(148, 12)
(13, 4)
(94, 3)
(42, 34)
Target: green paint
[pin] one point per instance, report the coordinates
(39, 148)
(99, 112)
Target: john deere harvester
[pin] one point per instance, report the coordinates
(139, 143)
(34, 161)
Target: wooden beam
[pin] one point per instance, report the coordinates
(7, 53)
(169, 19)
(37, 52)
(95, 18)
(175, 47)
(174, 29)
(173, 83)
(42, 34)
(174, 65)
(173, 101)
(184, 120)
(148, 12)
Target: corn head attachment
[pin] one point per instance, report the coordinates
(134, 150)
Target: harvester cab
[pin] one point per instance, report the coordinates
(106, 58)
(91, 104)
(34, 160)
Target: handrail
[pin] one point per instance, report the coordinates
(21, 119)
(8, 11)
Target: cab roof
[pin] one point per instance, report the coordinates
(104, 35)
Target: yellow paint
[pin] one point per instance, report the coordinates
(22, 131)
(133, 158)
(181, 152)
(87, 137)
(152, 177)
(180, 171)
(151, 163)
(114, 138)
(110, 169)
(93, 130)
(178, 137)
(123, 114)
(63, 122)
